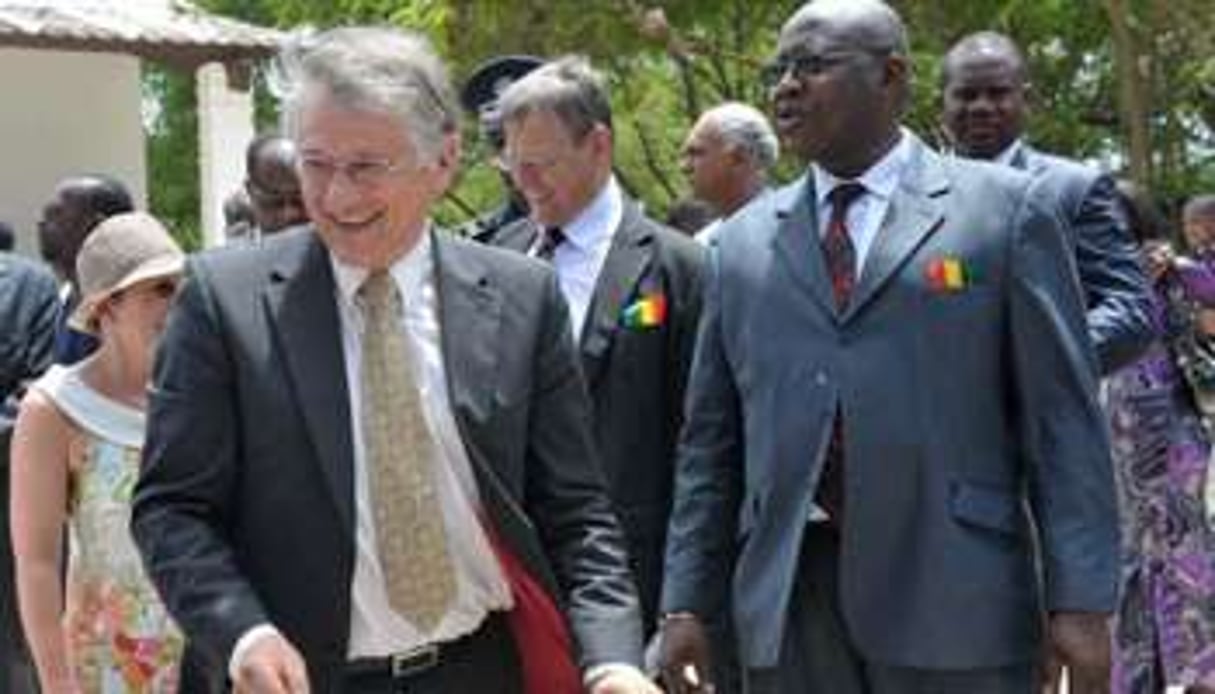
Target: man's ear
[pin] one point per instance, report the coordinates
(448, 160)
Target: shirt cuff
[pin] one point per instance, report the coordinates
(597, 672)
(245, 643)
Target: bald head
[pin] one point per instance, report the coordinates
(984, 91)
(867, 24)
(840, 83)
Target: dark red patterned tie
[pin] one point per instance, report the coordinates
(838, 250)
(840, 255)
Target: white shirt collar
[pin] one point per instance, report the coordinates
(598, 219)
(410, 271)
(881, 179)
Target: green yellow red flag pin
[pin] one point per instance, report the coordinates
(647, 312)
(948, 274)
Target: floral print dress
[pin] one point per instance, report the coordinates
(1164, 630)
(120, 638)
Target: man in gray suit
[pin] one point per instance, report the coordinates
(892, 388)
(985, 93)
(348, 485)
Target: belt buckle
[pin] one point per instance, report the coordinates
(413, 662)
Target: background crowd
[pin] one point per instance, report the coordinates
(922, 419)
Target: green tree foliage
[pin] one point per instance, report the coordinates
(667, 60)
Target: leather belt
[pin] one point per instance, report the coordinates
(398, 665)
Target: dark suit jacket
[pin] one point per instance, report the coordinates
(967, 409)
(29, 307)
(244, 511)
(1115, 287)
(637, 376)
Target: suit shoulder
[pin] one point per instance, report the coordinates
(514, 234)
(21, 270)
(502, 261)
(227, 263)
(677, 245)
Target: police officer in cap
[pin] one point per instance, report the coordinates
(480, 98)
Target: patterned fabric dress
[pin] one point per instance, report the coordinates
(120, 638)
(1164, 632)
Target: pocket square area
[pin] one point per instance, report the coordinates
(646, 312)
(948, 274)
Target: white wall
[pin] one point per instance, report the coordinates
(225, 127)
(63, 114)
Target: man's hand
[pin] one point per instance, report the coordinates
(272, 666)
(685, 655)
(1079, 641)
(624, 681)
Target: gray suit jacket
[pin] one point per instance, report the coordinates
(244, 511)
(1115, 287)
(967, 410)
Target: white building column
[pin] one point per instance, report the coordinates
(225, 127)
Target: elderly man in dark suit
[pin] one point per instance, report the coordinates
(985, 93)
(633, 288)
(892, 390)
(348, 485)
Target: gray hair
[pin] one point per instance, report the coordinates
(744, 127)
(376, 69)
(1199, 206)
(567, 87)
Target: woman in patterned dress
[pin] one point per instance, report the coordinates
(75, 457)
(1164, 632)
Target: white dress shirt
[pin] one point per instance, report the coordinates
(375, 629)
(579, 259)
(868, 211)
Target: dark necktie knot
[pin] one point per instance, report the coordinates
(550, 239)
(843, 195)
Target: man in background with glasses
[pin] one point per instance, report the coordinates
(632, 286)
(892, 392)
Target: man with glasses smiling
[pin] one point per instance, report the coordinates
(349, 485)
(632, 285)
(892, 393)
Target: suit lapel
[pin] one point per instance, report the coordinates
(469, 318)
(797, 243)
(303, 312)
(916, 210)
(627, 260)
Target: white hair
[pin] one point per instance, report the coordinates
(743, 127)
(377, 69)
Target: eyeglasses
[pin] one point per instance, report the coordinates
(806, 65)
(510, 162)
(362, 173)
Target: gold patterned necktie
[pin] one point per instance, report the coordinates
(410, 536)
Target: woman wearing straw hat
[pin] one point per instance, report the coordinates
(75, 458)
